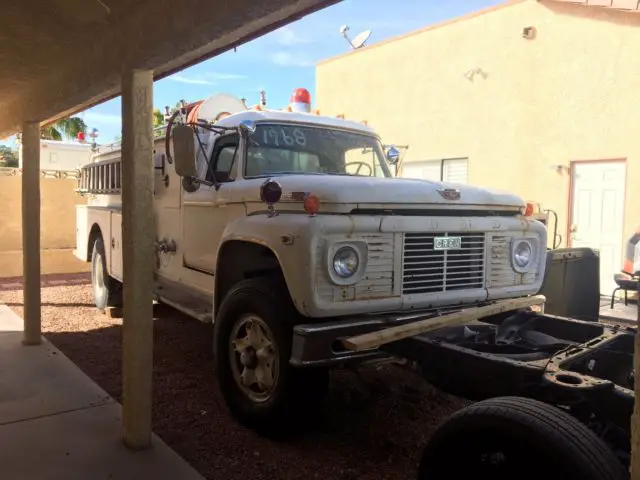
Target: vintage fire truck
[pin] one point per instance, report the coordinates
(288, 231)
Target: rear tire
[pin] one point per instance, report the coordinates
(107, 291)
(294, 399)
(513, 437)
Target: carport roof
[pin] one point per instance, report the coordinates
(63, 56)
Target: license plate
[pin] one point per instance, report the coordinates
(447, 243)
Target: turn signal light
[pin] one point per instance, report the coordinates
(311, 204)
(528, 210)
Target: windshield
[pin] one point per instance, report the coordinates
(294, 149)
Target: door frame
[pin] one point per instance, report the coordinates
(572, 168)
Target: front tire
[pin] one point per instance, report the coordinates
(107, 292)
(253, 334)
(514, 437)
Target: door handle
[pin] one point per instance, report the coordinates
(113, 242)
(573, 228)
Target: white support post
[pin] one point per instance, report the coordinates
(635, 418)
(31, 232)
(138, 256)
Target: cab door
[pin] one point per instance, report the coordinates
(207, 210)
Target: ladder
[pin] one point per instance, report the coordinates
(104, 177)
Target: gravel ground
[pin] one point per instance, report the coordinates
(380, 418)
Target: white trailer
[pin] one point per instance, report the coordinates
(288, 231)
(61, 156)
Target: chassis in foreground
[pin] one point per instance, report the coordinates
(555, 395)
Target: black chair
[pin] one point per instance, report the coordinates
(625, 282)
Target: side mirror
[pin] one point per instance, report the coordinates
(393, 154)
(248, 127)
(184, 151)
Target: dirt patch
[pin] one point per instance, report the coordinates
(377, 424)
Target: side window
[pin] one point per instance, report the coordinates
(223, 162)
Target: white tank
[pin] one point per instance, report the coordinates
(217, 105)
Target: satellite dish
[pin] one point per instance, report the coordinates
(360, 39)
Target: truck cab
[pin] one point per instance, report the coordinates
(288, 231)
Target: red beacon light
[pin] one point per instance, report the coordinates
(80, 137)
(301, 100)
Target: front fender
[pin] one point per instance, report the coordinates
(291, 237)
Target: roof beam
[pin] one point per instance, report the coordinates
(165, 38)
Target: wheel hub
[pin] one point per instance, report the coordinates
(254, 358)
(249, 358)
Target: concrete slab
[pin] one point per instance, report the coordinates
(38, 381)
(620, 312)
(57, 424)
(81, 445)
(9, 321)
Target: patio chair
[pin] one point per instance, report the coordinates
(626, 282)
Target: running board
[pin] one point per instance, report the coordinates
(184, 300)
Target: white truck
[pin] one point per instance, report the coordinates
(287, 230)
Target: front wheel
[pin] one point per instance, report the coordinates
(509, 438)
(253, 334)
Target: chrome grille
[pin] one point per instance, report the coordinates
(426, 270)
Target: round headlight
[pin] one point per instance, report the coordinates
(345, 262)
(522, 254)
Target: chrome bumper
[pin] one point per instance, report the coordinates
(319, 344)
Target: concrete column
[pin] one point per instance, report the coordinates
(635, 419)
(31, 232)
(138, 235)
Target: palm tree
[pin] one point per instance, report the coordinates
(158, 118)
(50, 132)
(67, 128)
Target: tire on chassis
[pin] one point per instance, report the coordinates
(252, 337)
(107, 291)
(516, 437)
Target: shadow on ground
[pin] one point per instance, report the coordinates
(378, 418)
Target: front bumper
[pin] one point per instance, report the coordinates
(319, 344)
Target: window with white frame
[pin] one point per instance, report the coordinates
(453, 170)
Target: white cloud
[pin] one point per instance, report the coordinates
(288, 36)
(91, 118)
(196, 80)
(225, 76)
(207, 78)
(286, 59)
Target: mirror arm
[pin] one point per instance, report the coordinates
(204, 154)
(206, 183)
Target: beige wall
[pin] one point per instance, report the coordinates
(58, 229)
(572, 93)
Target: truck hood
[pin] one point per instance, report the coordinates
(371, 192)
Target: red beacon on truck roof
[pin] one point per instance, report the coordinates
(300, 100)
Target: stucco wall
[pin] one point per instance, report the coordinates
(569, 94)
(58, 229)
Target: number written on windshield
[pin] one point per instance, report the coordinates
(283, 137)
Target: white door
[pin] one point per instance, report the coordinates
(597, 214)
(454, 170)
(429, 170)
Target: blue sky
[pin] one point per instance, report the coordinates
(285, 59)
